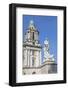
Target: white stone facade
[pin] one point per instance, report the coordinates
(32, 54)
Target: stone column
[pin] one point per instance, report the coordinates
(25, 57)
(40, 57)
(28, 58)
(37, 58)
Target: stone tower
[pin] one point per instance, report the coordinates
(49, 65)
(31, 50)
(47, 55)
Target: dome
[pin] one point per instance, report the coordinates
(31, 25)
(31, 22)
(46, 42)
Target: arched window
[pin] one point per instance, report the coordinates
(24, 73)
(32, 52)
(34, 73)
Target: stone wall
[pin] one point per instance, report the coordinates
(49, 68)
(44, 69)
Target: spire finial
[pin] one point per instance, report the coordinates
(46, 41)
(31, 22)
